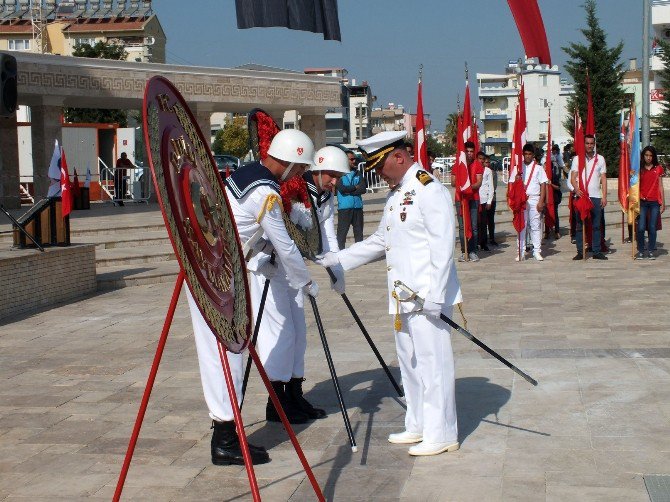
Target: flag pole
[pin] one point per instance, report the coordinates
(633, 238)
(465, 206)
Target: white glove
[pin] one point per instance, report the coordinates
(311, 289)
(266, 268)
(328, 260)
(263, 246)
(338, 285)
(432, 309)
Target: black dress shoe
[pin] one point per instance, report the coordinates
(485, 248)
(294, 392)
(294, 413)
(226, 448)
(578, 256)
(599, 256)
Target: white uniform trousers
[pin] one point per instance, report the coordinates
(427, 369)
(533, 219)
(282, 337)
(211, 369)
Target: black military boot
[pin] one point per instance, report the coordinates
(226, 448)
(294, 414)
(294, 392)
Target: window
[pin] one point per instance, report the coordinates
(544, 81)
(19, 45)
(82, 41)
(503, 127)
(544, 103)
(544, 126)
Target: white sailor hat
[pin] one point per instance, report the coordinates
(375, 148)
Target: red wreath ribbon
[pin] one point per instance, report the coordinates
(267, 129)
(294, 190)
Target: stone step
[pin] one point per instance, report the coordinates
(134, 255)
(130, 238)
(123, 276)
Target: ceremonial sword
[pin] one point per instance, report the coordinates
(367, 336)
(413, 296)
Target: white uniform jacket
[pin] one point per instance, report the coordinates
(325, 209)
(486, 190)
(416, 233)
(250, 191)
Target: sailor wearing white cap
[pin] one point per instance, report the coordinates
(253, 194)
(416, 234)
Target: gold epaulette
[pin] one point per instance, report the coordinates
(269, 203)
(423, 177)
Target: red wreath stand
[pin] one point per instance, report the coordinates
(175, 147)
(253, 483)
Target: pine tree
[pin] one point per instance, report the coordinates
(661, 137)
(606, 75)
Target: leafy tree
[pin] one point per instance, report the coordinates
(450, 132)
(435, 146)
(233, 139)
(661, 136)
(101, 50)
(606, 76)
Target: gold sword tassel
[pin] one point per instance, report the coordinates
(465, 321)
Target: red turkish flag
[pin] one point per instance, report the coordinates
(460, 172)
(65, 186)
(516, 192)
(590, 117)
(583, 204)
(420, 147)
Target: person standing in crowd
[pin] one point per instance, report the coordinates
(120, 178)
(535, 184)
(350, 190)
(486, 196)
(557, 167)
(476, 172)
(595, 181)
(416, 235)
(652, 202)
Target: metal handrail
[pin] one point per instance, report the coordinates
(137, 178)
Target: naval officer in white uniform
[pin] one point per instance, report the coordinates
(253, 194)
(416, 233)
(282, 337)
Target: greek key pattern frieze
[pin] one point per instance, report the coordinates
(45, 82)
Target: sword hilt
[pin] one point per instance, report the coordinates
(413, 295)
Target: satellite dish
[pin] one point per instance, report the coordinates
(149, 41)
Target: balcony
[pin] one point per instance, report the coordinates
(494, 116)
(493, 141)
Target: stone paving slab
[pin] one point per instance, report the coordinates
(594, 334)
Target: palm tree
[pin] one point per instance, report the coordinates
(450, 132)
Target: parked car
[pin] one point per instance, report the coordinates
(227, 161)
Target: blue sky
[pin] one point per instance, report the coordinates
(384, 41)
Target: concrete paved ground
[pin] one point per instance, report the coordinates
(594, 334)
